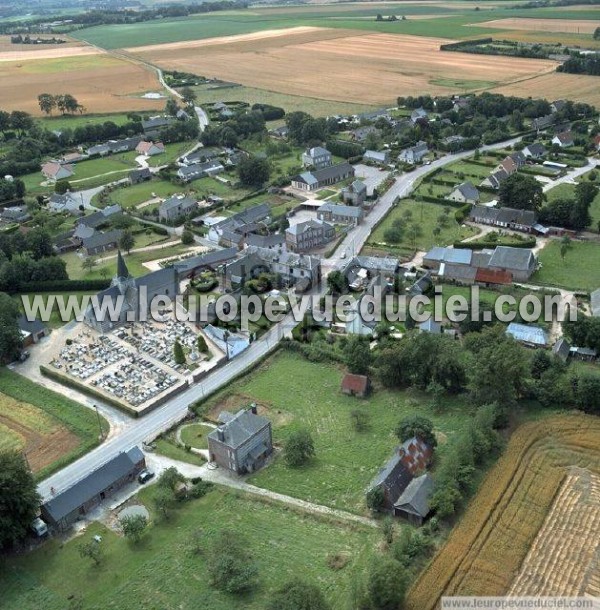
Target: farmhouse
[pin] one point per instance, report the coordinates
(317, 157)
(413, 504)
(564, 139)
(199, 170)
(125, 290)
(362, 133)
(101, 217)
(343, 214)
(519, 262)
(99, 242)
(61, 511)
(414, 154)
(535, 151)
(309, 234)
(543, 123)
(235, 228)
(496, 178)
(281, 133)
(15, 213)
(418, 114)
(153, 125)
(314, 180)
(409, 461)
(242, 442)
(355, 193)
(506, 218)
(355, 385)
(55, 171)
(531, 336)
(139, 175)
(464, 193)
(175, 207)
(150, 149)
(379, 157)
(66, 202)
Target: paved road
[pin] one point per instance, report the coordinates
(570, 177)
(148, 427)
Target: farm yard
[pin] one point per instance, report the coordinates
(347, 66)
(345, 460)
(485, 551)
(100, 82)
(51, 429)
(162, 571)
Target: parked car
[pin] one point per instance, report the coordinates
(145, 476)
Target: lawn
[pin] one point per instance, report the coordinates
(346, 460)
(578, 271)
(161, 573)
(131, 196)
(171, 450)
(54, 123)
(425, 215)
(171, 154)
(195, 435)
(96, 167)
(77, 419)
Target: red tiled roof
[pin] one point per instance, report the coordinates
(493, 276)
(415, 455)
(357, 384)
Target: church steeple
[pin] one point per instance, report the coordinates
(122, 271)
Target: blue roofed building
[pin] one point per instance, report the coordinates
(532, 336)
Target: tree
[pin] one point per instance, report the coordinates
(127, 241)
(387, 529)
(297, 594)
(337, 282)
(188, 95)
(187, 237)
(357, 354)
(386, 584)
(11, 340)
(414, 232)
(299, 448)
(62, 186)
(375, 499)
(170, 478)
(47, 102)
(163, 500)
(202, 345)
(88, 263)
(230, 564)
(253, 171)
(521, 192)
(133, 527)
(171, 107)
(19, 500)
(565, 246)
(418, 426)
(93, 550)
(178, 354)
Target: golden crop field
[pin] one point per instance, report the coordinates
(487, 549)
(344, 65)
(100, 82)
(556, 85)
(26, 428)
(560, 562)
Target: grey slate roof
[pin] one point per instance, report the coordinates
(468, 191)
(506, 257)
(102, 239)
(415, 498)
(341, 210)
(158, 278)
(562, 348)
(34, 326)
(240, 427)
(175, 202)
(595, 302)
(210, 259)
(265, 241)
(458, 256)
(72, 498)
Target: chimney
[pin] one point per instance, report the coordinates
(253, 409)
(220, 434)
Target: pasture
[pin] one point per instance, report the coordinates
(163, 572)
(346, 460)
(100, 82)
(485, 552)
(579, 270)
(52, 430)
(343, 65)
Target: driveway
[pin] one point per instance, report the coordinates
(371, 176)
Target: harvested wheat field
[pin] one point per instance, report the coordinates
(577, 26)
(502, 534)
(345, 65)
(26, 428)
(100, 82)
(579, 87)
(18, 52)
(558, 563)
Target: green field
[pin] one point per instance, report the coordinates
(346, 460)
(130, 196)
(161, 573)
(171, 154)
(195, 435)
(54, 123)
(79, 420)
(425, 215)
(578, 271)
(567, 191)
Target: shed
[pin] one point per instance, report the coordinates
(413, 504)
(355, 385)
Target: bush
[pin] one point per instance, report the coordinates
(230, 564)
(299, 448)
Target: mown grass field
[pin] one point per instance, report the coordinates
(346, 460)
(53, 123)
(579, 270)
(425, 215)
(52, 429)
(161, 572)
(485, 550)
(195, 435)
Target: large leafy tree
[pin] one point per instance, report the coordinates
(421, 427)
(299, 448)
(386, 584)
(358, 355)
(19, 500)
(230, 564)
(254, 171)
(521, 192)
(11, 340)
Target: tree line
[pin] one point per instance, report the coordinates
(65, 103)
